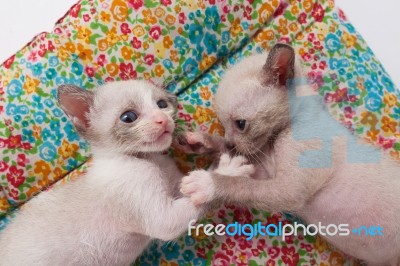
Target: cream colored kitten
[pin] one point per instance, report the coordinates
(252, 104)
(128, 196)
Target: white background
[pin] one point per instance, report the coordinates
(377, 21)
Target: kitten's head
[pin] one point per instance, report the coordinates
(251, 99)
(126, 117)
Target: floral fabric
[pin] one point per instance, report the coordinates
(186, 45)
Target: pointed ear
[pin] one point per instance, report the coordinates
(76, 103)
(279, 67)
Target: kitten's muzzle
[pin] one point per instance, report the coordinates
(229, 145)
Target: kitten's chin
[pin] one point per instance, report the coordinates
(162, 143)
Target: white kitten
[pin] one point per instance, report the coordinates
(252, 104)
(128, 196)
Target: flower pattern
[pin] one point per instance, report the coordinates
(185, 46)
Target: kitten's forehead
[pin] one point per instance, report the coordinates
(136, 93)
(240, 87)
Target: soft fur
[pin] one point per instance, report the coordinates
(128, 196)
(351, 193)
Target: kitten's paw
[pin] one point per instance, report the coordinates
(234, 166)
(194, 142)
(198, 186)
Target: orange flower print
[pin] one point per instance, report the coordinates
(265, 35)
(159, 70)
(395, 154)
(174, 56)
(335, 259)
(4, 204)
(84, 53)
(236, 27)
(58, 171)
(200, 236)
(67, 149)
(308, 5)
(42, 168)
(62, 54)
(295, 10)
(148, 18)
(167, 41)
(102, 44)
(112, 69)
(119, 10)
(112, 36)
(70, 46)
(266, 11)
(207, 61)
(159, 12)
(202, 115)
(104, 16)
(349, 40)
(84, 34)
(368, 118)
(37, 131)
(216, 127)
(320, 245)
(126, 53)
(283, 29)
(390, 99)
(167, 263)
(205, 93)
(388, 124)
(138, 30)
(373, 134)
(293, 26)
(170, 19)
(31, 84)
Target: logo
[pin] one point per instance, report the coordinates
(283, 230)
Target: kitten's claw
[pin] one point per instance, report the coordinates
(234, 166)
(194, 142)
(199, 186)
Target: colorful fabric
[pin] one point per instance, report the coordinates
(185, 45)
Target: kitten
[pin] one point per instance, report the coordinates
(252, 104)
(128, 196)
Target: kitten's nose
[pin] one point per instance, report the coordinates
(229, 145)
(161, 119)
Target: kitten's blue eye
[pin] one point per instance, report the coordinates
(241, 124)
(162, 104)
(128, 117)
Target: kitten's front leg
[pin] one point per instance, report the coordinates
(199, 185)
(288, 190)
(167, 218)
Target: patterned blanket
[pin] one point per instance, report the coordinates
(185, 45)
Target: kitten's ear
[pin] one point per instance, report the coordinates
(76, 103)
(280, 64)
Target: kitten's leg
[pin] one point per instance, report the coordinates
(288, 190)
(200, 187)
(167, 219)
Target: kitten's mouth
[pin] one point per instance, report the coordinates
(163, 135)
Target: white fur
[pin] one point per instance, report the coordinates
(354, 194)
(108, 216)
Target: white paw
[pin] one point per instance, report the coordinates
(235, 166)
(198, 186)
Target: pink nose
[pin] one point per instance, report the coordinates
(161, 119)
